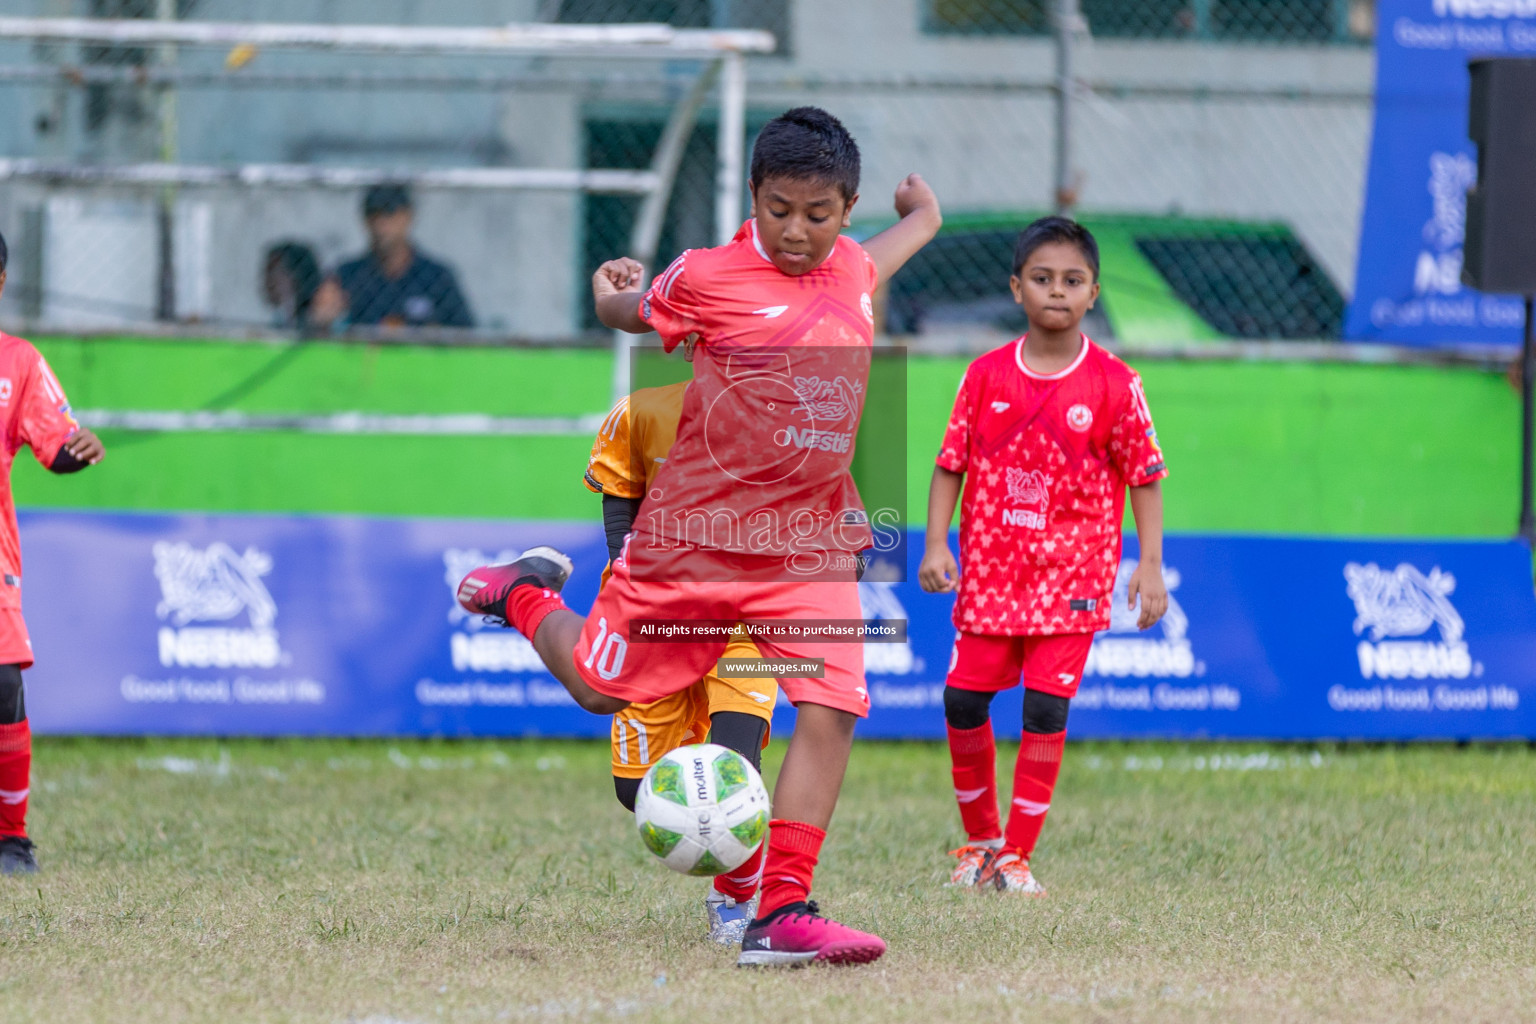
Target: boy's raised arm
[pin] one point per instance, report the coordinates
(616, 294)
(920, 220)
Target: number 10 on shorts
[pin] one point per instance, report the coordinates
(607, 655)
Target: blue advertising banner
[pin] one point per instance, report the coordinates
(1408, 288)
(286, 625)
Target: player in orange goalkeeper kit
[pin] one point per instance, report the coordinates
(35, 414)
(735, 713)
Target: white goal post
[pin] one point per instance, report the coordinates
(720, 54)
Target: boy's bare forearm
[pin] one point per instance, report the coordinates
(621, 312)
(891, 248)
(943, 495)
(1147, 508)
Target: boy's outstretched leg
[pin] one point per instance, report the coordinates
(789, 930)
(525, 594)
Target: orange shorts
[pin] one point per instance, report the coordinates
(15, 645)
(643, 673)
(644, 732)
(1050, 664)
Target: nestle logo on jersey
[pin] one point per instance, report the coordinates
(806, 437)
(1029, 488)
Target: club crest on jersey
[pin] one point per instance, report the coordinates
(1079, 417)
(1028, 488)
(6, 387)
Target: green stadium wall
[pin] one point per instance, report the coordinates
(1254, 447)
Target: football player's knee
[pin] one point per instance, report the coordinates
(626, 790)
(741, 732)
(966, 709)
(599, 703)
(13, 701)
(1045, 713)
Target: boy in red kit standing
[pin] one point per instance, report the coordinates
(754, 517)
(34, 413)
(1048, 433)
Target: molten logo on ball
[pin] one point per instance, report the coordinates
(702, 809)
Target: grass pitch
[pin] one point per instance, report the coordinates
(419, 882)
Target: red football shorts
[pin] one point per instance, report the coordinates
(612, 664)
(1050, 664)
(15, 647)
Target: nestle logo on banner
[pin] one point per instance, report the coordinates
(1127, 651)
(471, 646)
(215, 584)
(1404, 602)
(878, 602)
(1485, 8)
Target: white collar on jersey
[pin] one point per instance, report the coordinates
(1018, 357)
(757, 242)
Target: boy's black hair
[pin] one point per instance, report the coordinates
(807, 143)
(1056, 229)
(5, 254)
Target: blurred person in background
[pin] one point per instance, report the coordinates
(393, 284)
(34, 413)
(290, 278)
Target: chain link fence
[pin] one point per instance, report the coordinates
(1218, 149)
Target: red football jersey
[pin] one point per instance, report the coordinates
(1047, 459)
(766, 435)
(35, 413)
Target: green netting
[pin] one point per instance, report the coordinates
(1271, 21)
(1250, 287)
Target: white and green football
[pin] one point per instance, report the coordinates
(702, 809)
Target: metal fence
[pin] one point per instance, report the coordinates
(234, 187)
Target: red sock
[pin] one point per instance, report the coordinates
(973, 760)
(15, 777)
(1034, 778)
(741, 883)
(791, 862)
(527, 606)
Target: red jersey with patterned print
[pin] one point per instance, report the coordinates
(765, 439)
(1047, 459)
(35, 414)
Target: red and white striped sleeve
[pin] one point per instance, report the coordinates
(670, 306)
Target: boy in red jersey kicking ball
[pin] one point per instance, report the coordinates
(754, 516)
(1047, 434)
